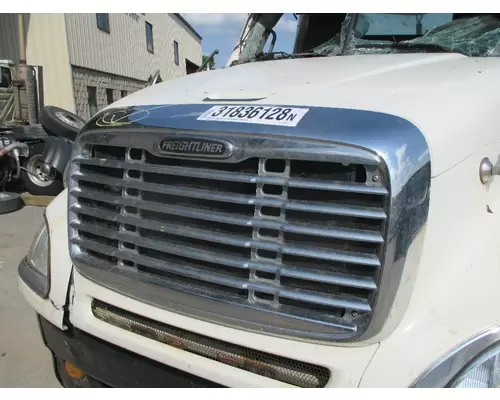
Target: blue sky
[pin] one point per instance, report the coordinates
(221, 31)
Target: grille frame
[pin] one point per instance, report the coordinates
(245, 146)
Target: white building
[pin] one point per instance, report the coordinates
(91, 60)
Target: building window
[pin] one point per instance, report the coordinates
(149, 37)
(109, 96)
(103, 22)
(123, 93)
(176, 53)
(92, 99)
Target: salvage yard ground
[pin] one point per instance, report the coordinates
(24, 360)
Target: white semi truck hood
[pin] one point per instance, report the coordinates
(452, 98)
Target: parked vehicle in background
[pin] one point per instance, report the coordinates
(29, 134)
(325, 217)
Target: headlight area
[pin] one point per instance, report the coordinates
(474, 364)
(34, 268)
(483, 372)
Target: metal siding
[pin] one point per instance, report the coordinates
(123, 51)
(189, 46)
(46, 45)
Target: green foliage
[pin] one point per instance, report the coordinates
(211, 64)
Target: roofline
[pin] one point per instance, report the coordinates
(188, 25)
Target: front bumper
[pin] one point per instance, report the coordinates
(346, 364)
(110, 365)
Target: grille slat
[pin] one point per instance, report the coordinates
(315, 184)
(97, 263)
(313, 230)
(310, 274)
(238, 283)
(216, 237)
(293, 244)
(334, 209)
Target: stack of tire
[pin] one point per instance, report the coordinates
(54, 121)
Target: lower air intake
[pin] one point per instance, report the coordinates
(281, 369)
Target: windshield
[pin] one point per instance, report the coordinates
(475, 35)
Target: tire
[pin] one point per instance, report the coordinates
(38, 184)
(60, 122)
(10, 202)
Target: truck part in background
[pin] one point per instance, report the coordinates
(57, 153)
(38, 176)
(7, 109)
(10, 202)
(25, 94)
(60, 122)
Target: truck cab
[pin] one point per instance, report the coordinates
(318, 218)
(5, 87)
(5, 73)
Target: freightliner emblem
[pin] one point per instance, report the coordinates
(191, 147)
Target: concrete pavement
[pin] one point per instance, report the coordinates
(24, 360)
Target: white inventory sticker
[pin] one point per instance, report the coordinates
(285, 116)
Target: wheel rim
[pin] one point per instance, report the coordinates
(69, 119)
(35, 173)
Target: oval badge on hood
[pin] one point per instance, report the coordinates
(194, 147)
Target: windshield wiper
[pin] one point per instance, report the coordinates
(408, 45)
(271, 56)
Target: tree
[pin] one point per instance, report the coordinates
(211, 64)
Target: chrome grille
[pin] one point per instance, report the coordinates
(290, 238)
